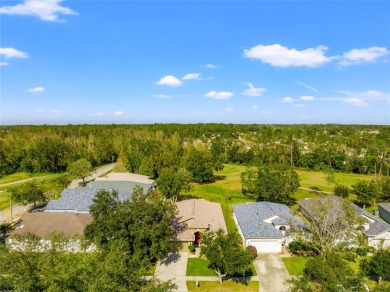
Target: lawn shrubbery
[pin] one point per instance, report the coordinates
(300, 248)
(191, 248)
(252, 251)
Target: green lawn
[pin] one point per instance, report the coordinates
(21, 176)
(199, 267)
(226, 286)
(295, 265)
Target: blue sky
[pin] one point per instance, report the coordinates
(194, 61)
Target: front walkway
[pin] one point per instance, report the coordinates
(272, 273)
(173, 267)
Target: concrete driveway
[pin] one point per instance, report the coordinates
(272, 273)
(173, 267)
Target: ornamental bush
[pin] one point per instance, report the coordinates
(252, 251)
(191, 248)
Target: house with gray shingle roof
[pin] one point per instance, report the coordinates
(376, 231)
(265, 225)
(77, 200)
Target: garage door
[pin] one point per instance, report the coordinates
(267, 246)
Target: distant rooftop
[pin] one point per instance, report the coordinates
(123, 186)
(124, 176)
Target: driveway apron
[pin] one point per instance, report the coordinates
(173, 267)
(272, 273)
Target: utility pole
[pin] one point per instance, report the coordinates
(10, 206)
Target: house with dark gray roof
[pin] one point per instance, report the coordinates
(384, 211)
(77, 200)
(265, 225)
(376, 230)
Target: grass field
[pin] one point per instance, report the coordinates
(226, 286)
(227, 190)
(295, 265)
(45, 178)
(199, 267)
(21, 176)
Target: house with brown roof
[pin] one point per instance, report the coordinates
(44, 224)
(195, 217)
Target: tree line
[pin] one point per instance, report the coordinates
(148, 149)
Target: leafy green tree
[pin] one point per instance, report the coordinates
(172, 182)
(366, 192)
(326, 272)
(274, 183)
(225, 253)
(377, 265)
(200, 165)
(385, 189)
(144, 222)
(30, 192)
(80, 169)
(341, 191)
(323, 223)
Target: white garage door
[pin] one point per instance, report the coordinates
(266, 245)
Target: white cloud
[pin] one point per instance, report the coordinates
(357, 56)
(36, 89)
(12, 53)
(3, 64)
(300, 105)
(287, 99)
(118, 113)
(56, 112)
(355, 101)
(307, 86)
(99, 114)
(169, 80)
(46, 10)
(280, 56)
(191, 76)
(211, 66)
(229, 109)
(163, 96)
(253, 91)
(255, 107)
(219, 95)
(307, 97)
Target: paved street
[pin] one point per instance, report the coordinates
(272, 273)
(174, 268)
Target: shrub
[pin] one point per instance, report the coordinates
(191, 248)
(300, 248)
(252, 251)
(349, 256)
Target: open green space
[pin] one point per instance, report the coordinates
(199, 267)
(226, 286)
(227, 189)
(295, 265)
(23, 175)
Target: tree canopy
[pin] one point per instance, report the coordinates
(172, 182)
(80, 168)
(225, 253)
(274, 183)
(326, 272)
